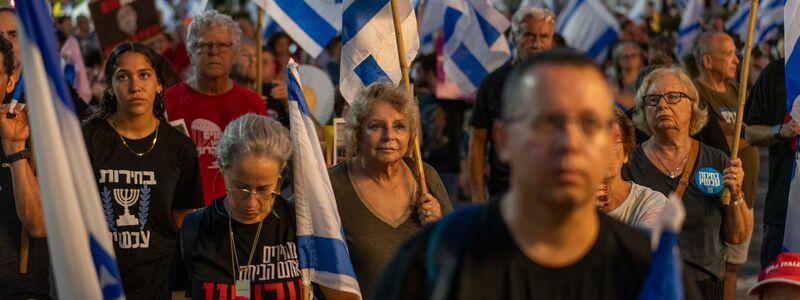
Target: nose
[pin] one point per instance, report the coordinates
(572, 139)
(736, 60)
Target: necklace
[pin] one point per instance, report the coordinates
(672, 174)
(235, 257)
(125, 143)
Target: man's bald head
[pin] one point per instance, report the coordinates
(715, 52)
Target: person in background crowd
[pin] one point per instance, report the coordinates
(659, 51)
(209, 100)
(281, 46)
(544, 238)
(628, 62)
(632, 32)
(768, 124)
(780, 280)
(628, 202)
(715, 55)
(64, 24)
(442, 126)
(668, 109)
(129, 135)
(334, 49)
(244, 71)
(245, 24)
(274, 91)
(758, 61)
(174, 51)
(532, 30)
(245, 239)
(376, 191)
(86, 36)
(8, 30)
(21, 207)
(75, 69)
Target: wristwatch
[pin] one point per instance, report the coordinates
(776, 131)
(10, 159)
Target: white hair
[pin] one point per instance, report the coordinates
(211, 19)
(537, 13)
(256, 135)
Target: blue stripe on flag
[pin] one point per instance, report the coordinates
(767, 31)
(106, 269)
(332, 259)
(469, 65)
(739, 21)
(296, 94)
(689, 29)
(568, 15)
(308, 20)
(490, 35)
(664, 278)
(793, 76)
(451, 16)
(41, 33)
(602, 43)
(358, 14)
(369, 71)
(775, 4)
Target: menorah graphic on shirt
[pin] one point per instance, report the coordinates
(126, 198)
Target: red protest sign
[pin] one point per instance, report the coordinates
(117, 21)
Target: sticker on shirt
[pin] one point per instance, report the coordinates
(708, 180)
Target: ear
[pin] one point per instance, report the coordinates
(706, 61)
(10, 85)
(626, 159)
(500, 140)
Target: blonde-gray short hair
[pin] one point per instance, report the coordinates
(699, 110)
(361, 108)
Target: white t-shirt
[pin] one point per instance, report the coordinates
(641, 208)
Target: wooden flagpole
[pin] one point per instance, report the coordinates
(401, 55)
(260, 43)
(726, 193)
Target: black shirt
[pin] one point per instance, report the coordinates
(493, 266)
(442, 122)
(488, 108)
(138, 194)
(13, 285)
(767, 106)
(274, 271)
(700, 242)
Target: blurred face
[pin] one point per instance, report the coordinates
(8, 29)
(781, 291)
(630, 58)
(6, 84)
(246, 64)
(557, 143)
(247, 27)
(267, 66)
(384, 135)
(83, 24)
(135, 84)
(721, 59)
(282, 47)
(618, 156)
(126, 20)
(214, 53)
(664, 116)
(250, 181)
(535, 35)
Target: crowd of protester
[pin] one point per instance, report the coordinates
(550, 139)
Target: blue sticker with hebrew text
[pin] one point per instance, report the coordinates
(708, 180)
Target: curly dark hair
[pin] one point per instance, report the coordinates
(108, 104)
(7, 49)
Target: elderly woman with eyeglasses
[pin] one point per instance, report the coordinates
(243, 244)
(667, 108)
(377, 190)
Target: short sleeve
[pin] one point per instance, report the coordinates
(437, 189)
(189, 188)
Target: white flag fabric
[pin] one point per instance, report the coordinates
(689, 28)
(737, 23)
(430, 24)
(588, 26)
(474, 43)
(638, 11)
(310, 23)
(322, 251)
(369, 48)
(791, 238)
(770, 19)
(84, 266)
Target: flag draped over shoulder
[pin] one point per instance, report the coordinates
(664, 281)
(588, 26)
(791, 238)
(474, 44)
(77, 232)
(369, 48)
(310, 23)
(689, 28)
(324, 258)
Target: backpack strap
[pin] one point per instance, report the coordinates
(445, 245)
(187, 238)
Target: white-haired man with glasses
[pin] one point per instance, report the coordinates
(209, 100)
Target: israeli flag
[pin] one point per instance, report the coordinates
(638, 11)
(369, 48)
(77, 232)
(431, 22)
(791, 238)
(324, 258)
(474, 44)
(770, 19)
(737, 23)
(588, 26)
(689, 28)
(311, 23)
(664, 281)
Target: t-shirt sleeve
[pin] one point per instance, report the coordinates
(481, 117)
(189, 189)
(404, 276)
(653, 204)
(437, 189)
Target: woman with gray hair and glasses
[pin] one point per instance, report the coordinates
(668, 109)
(243, 244)
(376, 191)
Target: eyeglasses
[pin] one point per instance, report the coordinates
(207, 47)
(241, 194)
(550, 125)
(671, 98)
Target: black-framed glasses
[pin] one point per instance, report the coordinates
(220, 47)
(671, 98)
(241, 194)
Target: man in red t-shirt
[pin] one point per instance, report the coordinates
(209, 100)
